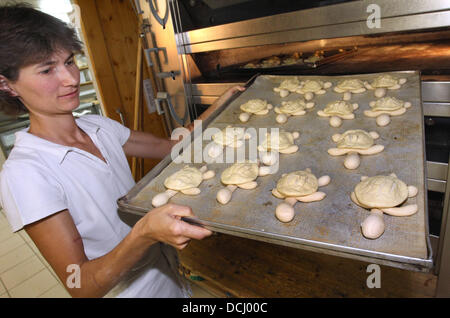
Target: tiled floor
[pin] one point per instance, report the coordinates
(24, 273)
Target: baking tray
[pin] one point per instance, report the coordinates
(330, 226)
(328, 56)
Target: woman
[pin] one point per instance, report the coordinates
(64, 175)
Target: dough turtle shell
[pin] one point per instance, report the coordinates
(381, 192)
(350, 84)
(388, 104)
(297, 183)
(293, 106)
(339, 108)
(239, 173)
(284, 140)
(355, 139)
(254, 106)
(185, 178)
(229, 136)
(384, 81)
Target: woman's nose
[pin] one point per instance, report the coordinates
(70, 76)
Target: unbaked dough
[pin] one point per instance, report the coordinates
(287, 86)
(338, 110)
(282, 142)
(390, 106)
(350, 86)
(384, 82)
(185, 180)
(254, 106)
(353, 143)
(382, 194)
(296, 186)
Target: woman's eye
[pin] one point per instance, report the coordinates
(45, 71)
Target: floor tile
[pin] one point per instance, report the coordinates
(5, 234)
(10, 244)
(2, 288)
(57, 291)
(5, 295)
(15, 257)
(21, 272)
(35, 286)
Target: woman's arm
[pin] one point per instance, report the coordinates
(146, 145)
(60, 243)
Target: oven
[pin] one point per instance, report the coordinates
(197, 49)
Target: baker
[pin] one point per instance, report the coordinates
(64, 175)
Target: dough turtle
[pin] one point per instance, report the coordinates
(254, 106)
(354, 143)
(290, 85)
(337, 111)
(309, 88)
(382, 194)
(385, 107)
(242, 175)
(228, 137)
(185, 180)
(384, 82)
(350, 86)
(296, 186)
(282, 142)
(292, 108)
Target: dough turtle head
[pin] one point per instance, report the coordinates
(387, 104)
(229, 136)
(355, 139)
(279, 141)
(239, 173)
(293, 106)
(185, 178)
(381, 192)
(384, 81)
(350, 84)
(339, 108)
(297, 183)
(254, 106)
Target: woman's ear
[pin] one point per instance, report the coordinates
(4, 86)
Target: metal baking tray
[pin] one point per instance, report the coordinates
(327, 56)
(330, 226)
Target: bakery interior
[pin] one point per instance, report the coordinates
(156, 65)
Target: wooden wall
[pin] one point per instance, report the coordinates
(111, 33)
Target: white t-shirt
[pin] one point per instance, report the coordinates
(41, 178)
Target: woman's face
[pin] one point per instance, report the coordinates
(51, 87)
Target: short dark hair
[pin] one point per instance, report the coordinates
(29, 36)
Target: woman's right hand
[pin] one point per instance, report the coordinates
(164, 224)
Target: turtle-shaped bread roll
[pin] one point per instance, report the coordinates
(288, 86)
(385, 107)
(382, 194)
(292, 108)
(240, 175)
(309, 88)
(232, 137)
(337, 111)
(384, 82)
(296, 186)
(185, 180)
(254, 106)
(280, 142)
(353, 143)
(350, 86)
